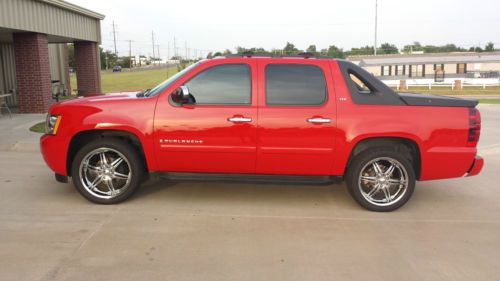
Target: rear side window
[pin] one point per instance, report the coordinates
(295, 84)
(222, 84)
(361, 86)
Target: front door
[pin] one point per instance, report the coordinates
(217, 133)
(297, 125)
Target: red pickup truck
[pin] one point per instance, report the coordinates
(263, 118)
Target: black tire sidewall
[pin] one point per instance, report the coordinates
(360, 161)
(124, 148)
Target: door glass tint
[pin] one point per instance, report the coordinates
(223, 84)
(295, 84)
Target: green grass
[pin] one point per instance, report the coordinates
(38, 127)
(130, 80)
(490, 101)
(448, 91)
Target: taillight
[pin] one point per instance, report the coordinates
(474, 127)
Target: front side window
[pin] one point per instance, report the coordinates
(222, 84)
(295, 84)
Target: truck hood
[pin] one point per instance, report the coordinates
(101, 98)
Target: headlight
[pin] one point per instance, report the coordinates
(52, 124)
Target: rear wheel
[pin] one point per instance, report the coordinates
(107, 171)
(380, 179)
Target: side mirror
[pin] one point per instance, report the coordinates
(181, 95)
(184, 92)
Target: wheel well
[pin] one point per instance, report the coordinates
(82, 138)
(405, 146)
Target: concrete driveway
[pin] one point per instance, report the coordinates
(450, 229)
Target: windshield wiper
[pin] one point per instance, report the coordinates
(143, 93)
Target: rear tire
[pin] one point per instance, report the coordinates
(380, 179)
(107, 171)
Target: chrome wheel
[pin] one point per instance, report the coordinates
(383, 181)
(105, 173)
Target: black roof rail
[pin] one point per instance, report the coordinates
(249, 54)
(305, 55)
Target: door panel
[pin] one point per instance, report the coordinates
(207, 137)
(293, 138)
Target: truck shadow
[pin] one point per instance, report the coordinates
(242, 193)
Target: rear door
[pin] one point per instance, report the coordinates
(297, 125)
(218, 132)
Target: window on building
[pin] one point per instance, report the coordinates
(223, 84)
(461, 68)
(295, 84)
(386, 70)
(399, 70)
(416, 70)
(438, 67)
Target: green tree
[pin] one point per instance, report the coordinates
(476, 49)
(124, 62)
(490, 47)
(108, 58)
(335, 52)
(362, 51)
(443, 49)
(387, 48)
(312, 49)
(290, 49)
(71, 56)
(253, 50)
(415, 47)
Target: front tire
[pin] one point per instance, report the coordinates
(107, 171)
(380, 179)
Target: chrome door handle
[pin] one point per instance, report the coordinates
(319, 120)
(239, 119)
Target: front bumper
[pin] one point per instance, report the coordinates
(54, 150)
(476, 166)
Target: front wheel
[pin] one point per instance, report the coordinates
(107, 171)
(381, 179)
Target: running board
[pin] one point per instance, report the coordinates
(252, 178)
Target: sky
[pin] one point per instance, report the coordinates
(217, 25)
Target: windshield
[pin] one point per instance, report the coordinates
(158, 89)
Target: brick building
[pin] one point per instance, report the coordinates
(33, 51)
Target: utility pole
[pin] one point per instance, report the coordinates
(186, 49)
(168, 56)
(376, 23)
(153, 39)
(130, 53)
(175, 49)
(114, 37)
(159, 57)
